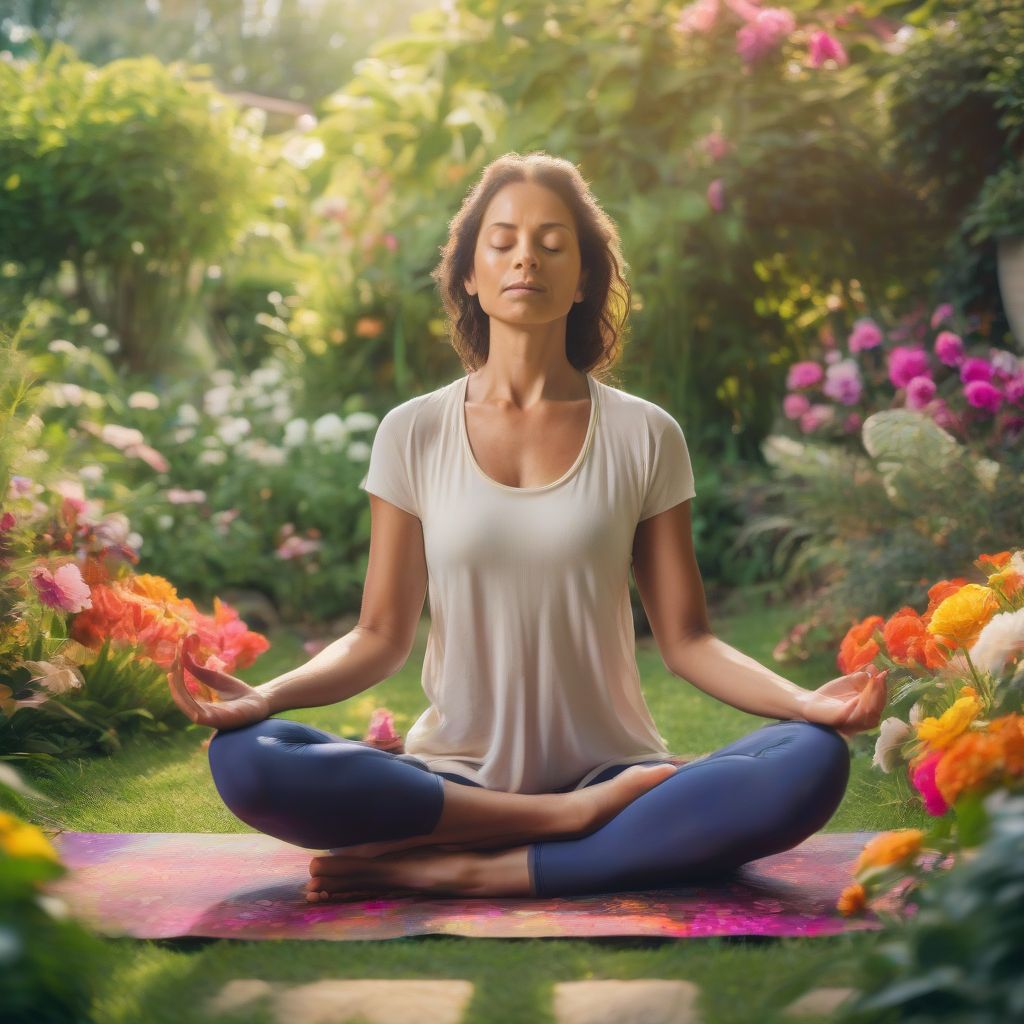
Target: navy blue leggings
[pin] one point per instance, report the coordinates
(761, 794)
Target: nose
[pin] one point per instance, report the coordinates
(526, 257)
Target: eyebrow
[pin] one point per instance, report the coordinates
(547, 224)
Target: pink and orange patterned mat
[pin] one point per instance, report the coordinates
(153, 885)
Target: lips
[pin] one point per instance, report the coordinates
(523, 288)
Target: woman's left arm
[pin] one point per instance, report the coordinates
(670, 586)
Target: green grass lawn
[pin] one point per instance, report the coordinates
(164, 785)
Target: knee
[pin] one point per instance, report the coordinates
(235, 757)
(828, 749)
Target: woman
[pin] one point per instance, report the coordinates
(527, 487)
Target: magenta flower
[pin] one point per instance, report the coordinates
(63, 589)
(764, 33)
(794, 406)
(907, 362)
(1014, 390)
(815, 417)
(843, 382)
(803, 375)
(920, 391)
(852, 423)
(824, 47)
(983, 395)
(716, 195)
(942, 312)
(923, 778)
(975, 369)
(949, 347)
(865, 334)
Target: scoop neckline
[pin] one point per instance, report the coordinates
(580, 458)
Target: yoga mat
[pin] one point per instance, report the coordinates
(154, 885)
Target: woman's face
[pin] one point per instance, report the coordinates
(527, 234)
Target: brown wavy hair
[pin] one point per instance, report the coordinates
(594, 327)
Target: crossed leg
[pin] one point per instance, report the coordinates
(316, 790)
(762, 794)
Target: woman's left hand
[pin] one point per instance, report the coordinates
(850, 703)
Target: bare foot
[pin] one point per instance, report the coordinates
(427, 870)
(602, 802)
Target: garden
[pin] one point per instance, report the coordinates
(219, 227)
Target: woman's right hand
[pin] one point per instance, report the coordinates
(239, 703)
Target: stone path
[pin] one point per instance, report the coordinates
(383, 1001)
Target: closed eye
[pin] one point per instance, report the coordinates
(505, 248)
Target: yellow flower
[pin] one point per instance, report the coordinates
(889, 848)
(20, 839)
(963, 615)
(940, 732)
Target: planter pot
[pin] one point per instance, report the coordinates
(1010, 265)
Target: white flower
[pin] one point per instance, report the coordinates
(63, 345)
(183, 434)
(329, 427)
(212, 457)
(219, 400)
(1001, 639)
(893, 732)
(165, 522)
(266, 376)
(233, 429)
(92, 474)
(295, 433)
(143, 400)
(916, 714)
(360, 421)
(58, 676)
(358, 451)
(188, 415)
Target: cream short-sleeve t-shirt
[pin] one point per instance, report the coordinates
(530, 665)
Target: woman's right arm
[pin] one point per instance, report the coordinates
(381, 641)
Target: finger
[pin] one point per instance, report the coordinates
(179, 692)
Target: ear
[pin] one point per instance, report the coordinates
(469, 283)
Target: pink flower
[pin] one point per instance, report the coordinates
(949, 347)
(698, 17)
(942, 312)
(179, 496)
(905, 363)
(21, 487)
(382, 726)
(983, 395)
(975, 369)
(941, 413)
(824, 47)
(715, 145)
(764, 33)
(794, 406)
(815, 417)
(744, 9)
(390, 242)
(843, 383)
(716, 195)
(1004, 364)
(920, 391)
(865, 334)
(803, 375)
(923, 778)
(833, 356)
(63, 589)
(852, 423)
(1014, 390)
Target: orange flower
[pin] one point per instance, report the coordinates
(852, 899)
(1007, 582)
(1009, 730)
(889, 848)
(858, 648)
(908, 641)
(973, 760)
(938, 592)
(997, 560)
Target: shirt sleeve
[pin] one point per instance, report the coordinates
(389, 474)
(669, 474)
